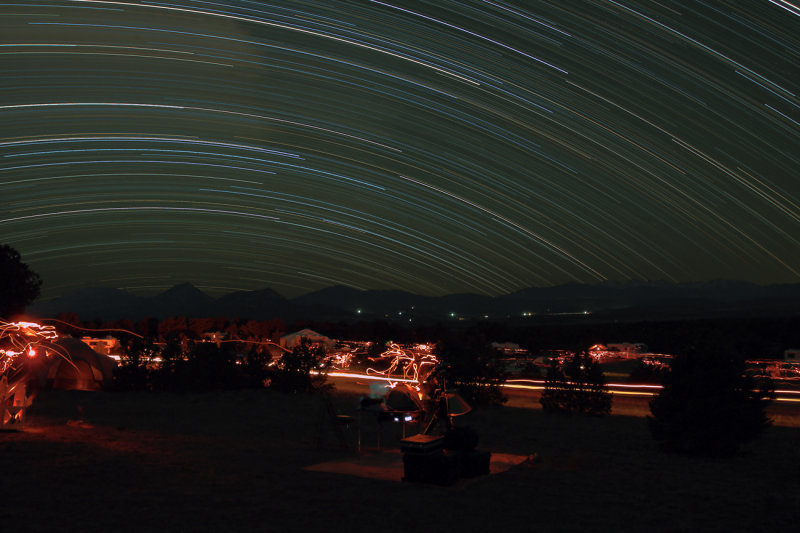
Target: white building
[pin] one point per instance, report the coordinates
(109, 346)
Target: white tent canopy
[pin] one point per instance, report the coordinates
(293, 340)
(72, 365)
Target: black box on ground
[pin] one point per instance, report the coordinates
(475, 463)
(440, 468)
(422, 444)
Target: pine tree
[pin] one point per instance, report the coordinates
(708, 405)
(19, 285)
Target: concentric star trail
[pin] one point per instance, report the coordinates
(441, 147)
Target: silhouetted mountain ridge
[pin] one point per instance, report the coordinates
(184, 299)
(656, 298)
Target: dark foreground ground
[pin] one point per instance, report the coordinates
(234, 461)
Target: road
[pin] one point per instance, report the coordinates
(629, 399)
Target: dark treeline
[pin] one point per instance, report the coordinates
(178, 326)
(746, 337)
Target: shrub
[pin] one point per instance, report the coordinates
(577, 387)
(708, 405)
(299, 370)
(255, 369)
(132, 372)
(207, 367)
(648, 372)
(163, 375)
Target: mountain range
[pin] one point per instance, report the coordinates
(609, 300)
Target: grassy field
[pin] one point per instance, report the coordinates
(234, 461)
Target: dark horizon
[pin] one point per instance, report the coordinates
(599, 302)
(628, 284)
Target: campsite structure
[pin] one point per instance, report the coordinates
(81, 368)
(417, 392)
(20, 342)
(33, 356)
(309, 336)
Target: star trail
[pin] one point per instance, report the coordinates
(436, 147)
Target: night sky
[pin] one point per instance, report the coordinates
(436, 147)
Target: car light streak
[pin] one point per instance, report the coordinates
(610, 385)
(621, 389)
(358, 375)
(519, 386)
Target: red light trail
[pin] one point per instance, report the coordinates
(18, 338)
(622, 389)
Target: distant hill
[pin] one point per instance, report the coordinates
(99, 302)
(607, 301)
(261, 304)
(181, 300)
(184, 299)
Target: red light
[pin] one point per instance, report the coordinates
(31, 352)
